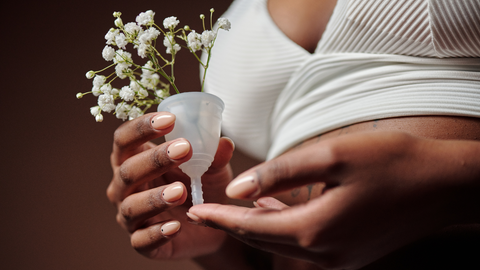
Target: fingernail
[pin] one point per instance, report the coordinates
(231, 142)
(178, 149)
(170, 228)
(173, 192)
(163, 121)
(194, 218)
(244, 187)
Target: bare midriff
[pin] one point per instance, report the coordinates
(431, 127)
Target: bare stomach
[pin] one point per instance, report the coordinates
(432, 127)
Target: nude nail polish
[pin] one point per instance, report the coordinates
(173, 192)
(243, 187)
(163, 121)
(170, 228)
(178, 149)
(196, 219)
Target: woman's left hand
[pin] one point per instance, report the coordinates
(382, 191)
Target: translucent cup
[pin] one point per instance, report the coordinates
(198, 119)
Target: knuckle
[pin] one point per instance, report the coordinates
(118, 139)
(269, 176)
(124, 175)
(159, 158)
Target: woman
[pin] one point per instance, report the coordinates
(366, 112)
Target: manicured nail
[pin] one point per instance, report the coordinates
(231, 142)
(170, 228)
(194, 218)
(178, 149)
(163, 121)
(244, 187)
(173, 192)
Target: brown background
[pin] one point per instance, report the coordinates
(55, 157)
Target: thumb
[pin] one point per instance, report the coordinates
(292, 169)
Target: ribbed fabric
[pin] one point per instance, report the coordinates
(250, 66)
(376, 59)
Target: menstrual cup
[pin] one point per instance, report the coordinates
(198, 119)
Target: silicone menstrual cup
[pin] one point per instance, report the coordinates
(198, 119)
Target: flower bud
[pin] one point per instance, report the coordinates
(90, 74)
(212, 10)
(79, 95)
(99, 118)
(118, 22)
(117, 14)
(187, 28)
(202, 16)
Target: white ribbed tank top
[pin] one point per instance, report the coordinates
(376, 59)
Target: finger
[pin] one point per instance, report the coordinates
(293, 169)
(147, 240)
(250, 223)
(146, 166)
(134, 133)
(223, 155)
(270, 203)
(139, 207)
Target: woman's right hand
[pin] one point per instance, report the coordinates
(150, 194)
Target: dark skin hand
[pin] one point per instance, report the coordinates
(150, 192)
(373, 181)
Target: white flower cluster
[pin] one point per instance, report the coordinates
(145, 87)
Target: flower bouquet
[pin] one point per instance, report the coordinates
(198, 114)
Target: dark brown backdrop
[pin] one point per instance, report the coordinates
(55, 157)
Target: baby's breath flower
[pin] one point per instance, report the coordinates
(142, 50)
(96, 91)
(135, 86)
(115, 92)
(108, 53)
(106, 102)
(207, 38)
(224, 24)
(118, 22)
(95, 110)
(106, 88)
(162, 93)
(122, 70)
(170, 22)
(194, 41)
(127, 94)
(123, 57)
(121, 41)
(142, 93)
(151, 82)
(144, 89)
(148, 35)
(99, 80)
(132, 28)
(90, 74)
(134, 113)
(110, 36)
(145, 18)
(99, 118)
(122, 110)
